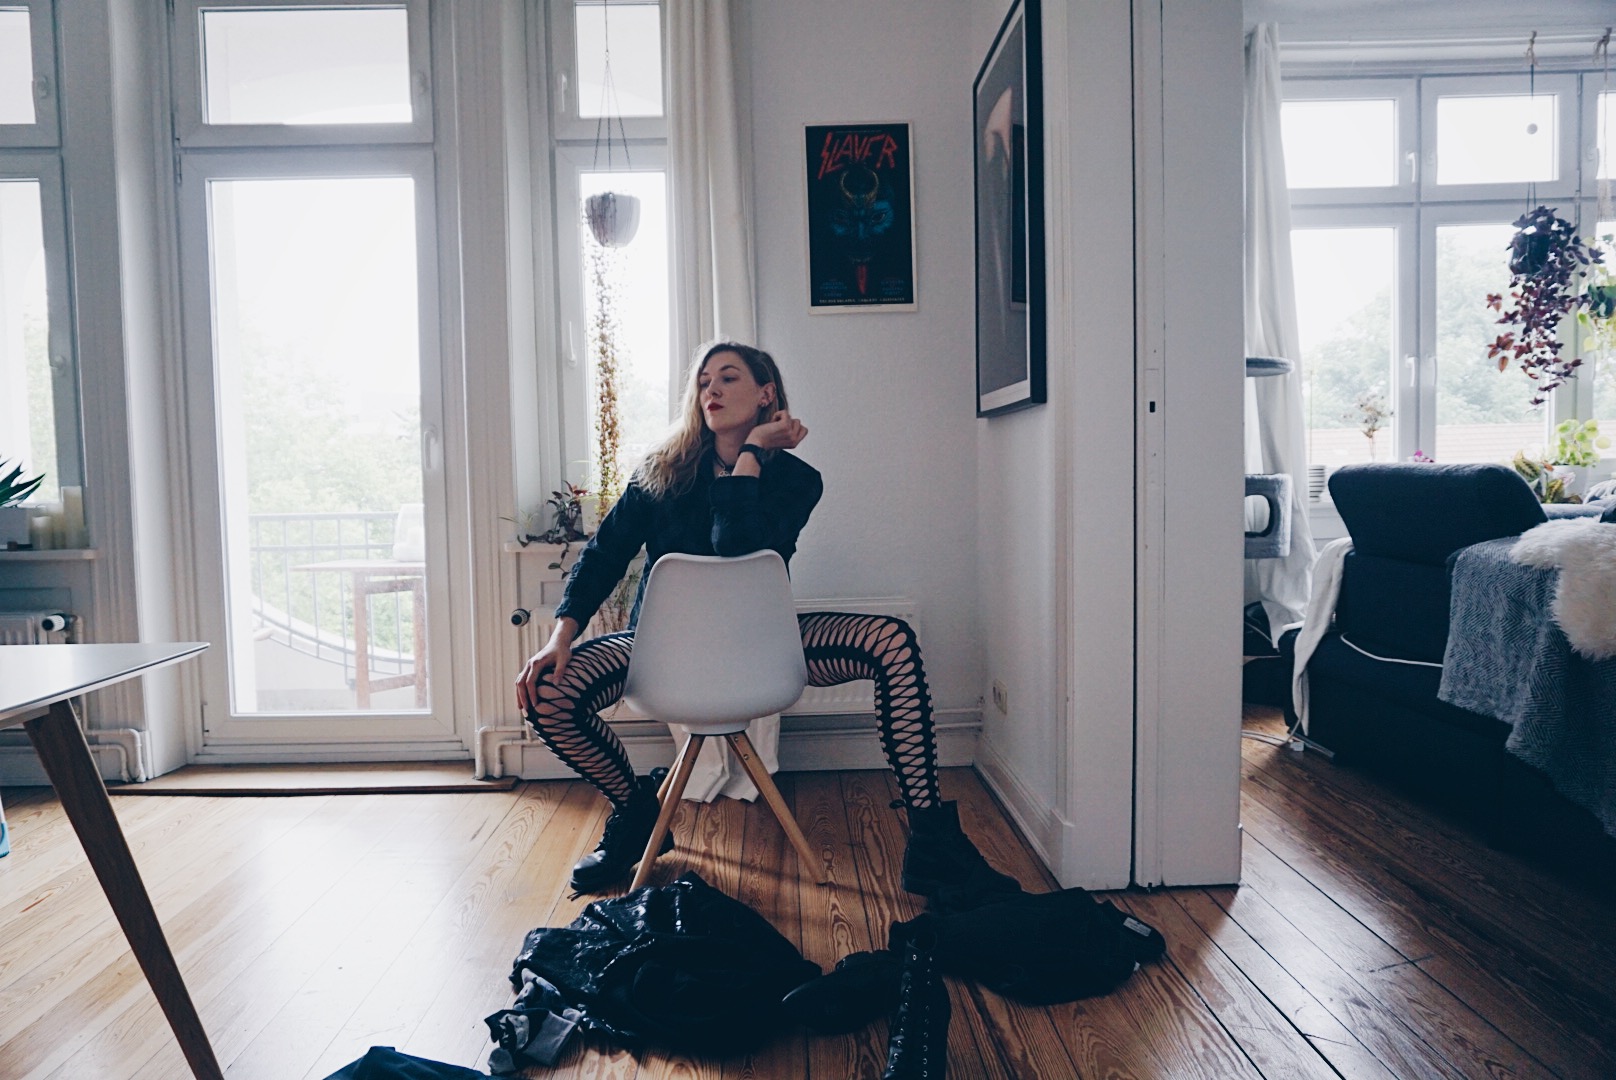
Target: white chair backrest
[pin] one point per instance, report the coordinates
(717, 643)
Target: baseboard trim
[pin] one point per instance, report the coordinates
(20, 767)
(807, 744)
(1037, 822)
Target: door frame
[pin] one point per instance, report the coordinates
(221, 734)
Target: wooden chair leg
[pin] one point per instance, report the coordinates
(675, 790)
(742, 747)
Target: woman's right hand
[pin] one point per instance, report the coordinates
(551, 660)
(782, 432)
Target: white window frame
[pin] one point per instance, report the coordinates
(45, 168)
(1567, 121)
(577, 437)
(1401, 374)
(1588, 124)
(1402, 92)
(573, 153)
(1432, 217)
(567, 125)
(46, 128)
(345, 734)
(190, 125)
(1418, 205)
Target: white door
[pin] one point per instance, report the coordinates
(313, 377)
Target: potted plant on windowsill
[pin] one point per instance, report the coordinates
(13, 515)
(1574, 452)
(1550, 272)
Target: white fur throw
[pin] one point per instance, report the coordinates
(1584, 551)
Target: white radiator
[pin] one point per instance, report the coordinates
(34, 627)
(855, 698)
(1318, 478)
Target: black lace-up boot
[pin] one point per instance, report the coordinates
(918, 1046)
(862, 986)
(623, 841)
(941, 864)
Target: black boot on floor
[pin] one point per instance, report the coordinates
(917, 1048)
(623, 841)
(941, 864)
(862, 986)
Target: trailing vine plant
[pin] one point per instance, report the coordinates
(603, 342)
(1548, 264)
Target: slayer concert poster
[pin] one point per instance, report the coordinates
(861, 233)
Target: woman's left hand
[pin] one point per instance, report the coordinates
(783, 432)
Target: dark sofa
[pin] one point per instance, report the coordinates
(1406, 522)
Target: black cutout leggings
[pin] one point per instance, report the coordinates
(839, 648)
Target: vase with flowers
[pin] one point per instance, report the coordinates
(1370, 413)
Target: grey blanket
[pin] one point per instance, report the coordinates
(1507, 658)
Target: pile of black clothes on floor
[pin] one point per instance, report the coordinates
(687, 968)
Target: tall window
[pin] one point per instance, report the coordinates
(610, 127)
(308, 254)
(39, 410)
(1403, 193)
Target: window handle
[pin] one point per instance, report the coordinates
(431, 450)
(561, 92)
(1413, 166)
(42, 88)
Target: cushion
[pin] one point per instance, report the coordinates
(1423, 513)
(1394, 608)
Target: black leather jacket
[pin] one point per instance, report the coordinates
(726, 515)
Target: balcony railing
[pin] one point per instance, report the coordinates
(300, 604)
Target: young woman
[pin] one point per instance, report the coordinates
(725, 483)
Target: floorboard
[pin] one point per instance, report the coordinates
(1371, 937)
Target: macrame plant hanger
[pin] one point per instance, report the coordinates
(613, 216)
(1607, 212)
(1531, 94)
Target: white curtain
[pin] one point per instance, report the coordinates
(709, 172)
(1276, 433)
(714, 292)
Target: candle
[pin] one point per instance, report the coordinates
(73, 532)
(40, 533)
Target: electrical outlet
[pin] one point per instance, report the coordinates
(1001, 697)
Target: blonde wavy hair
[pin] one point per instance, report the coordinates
(670, 466)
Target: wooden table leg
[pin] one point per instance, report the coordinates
(361, 633)
(72, 771)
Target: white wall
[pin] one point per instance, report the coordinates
(888, 398)
(1057, 481)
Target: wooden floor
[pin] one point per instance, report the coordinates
(1370, 938)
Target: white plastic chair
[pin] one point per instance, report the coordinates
(717, 646)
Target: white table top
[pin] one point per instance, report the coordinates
(33, 677)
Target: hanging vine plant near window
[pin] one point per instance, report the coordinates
(613, 218)
(1549, 267)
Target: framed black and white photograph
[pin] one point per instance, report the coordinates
(861, 229)
(1008, 134)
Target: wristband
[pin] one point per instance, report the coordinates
(754, 449)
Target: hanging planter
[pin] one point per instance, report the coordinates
(613, 218)
(1549, 266)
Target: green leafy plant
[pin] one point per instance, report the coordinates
(1577, 442)
(566, 508)
(1596, 318)
(1549, 270)
(14, 489)
(1539, 475)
